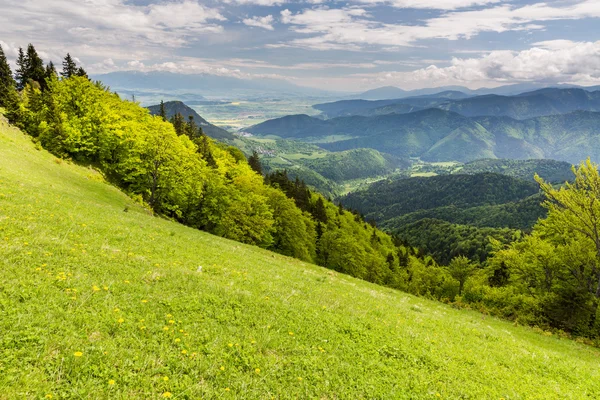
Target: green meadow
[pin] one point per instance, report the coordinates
(101, 300)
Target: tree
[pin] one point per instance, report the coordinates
(254, 161)
(7, 83)
(178, 123)
(575, 208)
(50, 70)
(34, 66)
(461, 269)
(69, 67)
(21, 72)
(163, 111)
(81, 72)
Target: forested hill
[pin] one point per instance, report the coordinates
(177, 107)
(550, 170)
(394, 197)
(452, 215)
(438, 135)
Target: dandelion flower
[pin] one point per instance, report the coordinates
(144, 301)
(177, 340)
(48, 396)
(183, 351)
(165, 378)
(227, 389)
(120, 320)
(167, 395)
(230, 345)
(299, 379)
(257, 370)
(222, 368)
(78, 354)
(95, 288)
(171, 321)
(111, 382)
(291, 333)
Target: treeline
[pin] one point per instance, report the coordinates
(180, 173)
(445, 241)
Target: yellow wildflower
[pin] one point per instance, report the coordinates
(111, 382)
(78, 354)
(167, 394)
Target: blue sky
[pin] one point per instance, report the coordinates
(338, 45)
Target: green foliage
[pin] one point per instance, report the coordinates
(550, 170)
(79, 275)
(445, 241)
(395, 197)
(559, 264)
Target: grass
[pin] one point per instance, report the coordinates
(100, 303)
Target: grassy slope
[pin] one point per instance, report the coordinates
(81, 275)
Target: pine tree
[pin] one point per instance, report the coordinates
(7, 83)
(21, 72)
(319, 211)
(191, 129)
(69, 67)
(35, 66)
(50, 70)
(81, 72)
(163, 111)
(254, 162)
(178, 123)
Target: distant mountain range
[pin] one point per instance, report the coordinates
(204, 84)
(392, 92)
(175, 107)
(526, 105)
(440, 135)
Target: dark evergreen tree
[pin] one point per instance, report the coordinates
(178, 123)
(81, 72)
(50, 70)
(7, 83)
(35, 69)
(254, 162)
(163, 111)
(21, 72)
(319, 211)
(191, 129)
(69, 67)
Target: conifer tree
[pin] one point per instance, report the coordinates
(319, 212)
(50, 70)
(163, 111)
(81, 72)
(34, 66)
(254, 162)
(191, 129)
(21, 72)
(178, 123)
(69, 67)
(7, 83)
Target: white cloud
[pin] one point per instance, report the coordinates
(108, 21)
(355, 29)
(260, 22)
(559, 61)
(431, 4)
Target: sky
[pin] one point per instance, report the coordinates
(327, 44)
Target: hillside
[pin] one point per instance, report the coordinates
(550, 170)
(175, 107)
(395, 197)
(436, 135)
(102, 300)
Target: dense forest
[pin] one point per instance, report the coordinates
(549, 278)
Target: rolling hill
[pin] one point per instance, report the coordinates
(175, 107)
(102, 300)
(439, 135)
